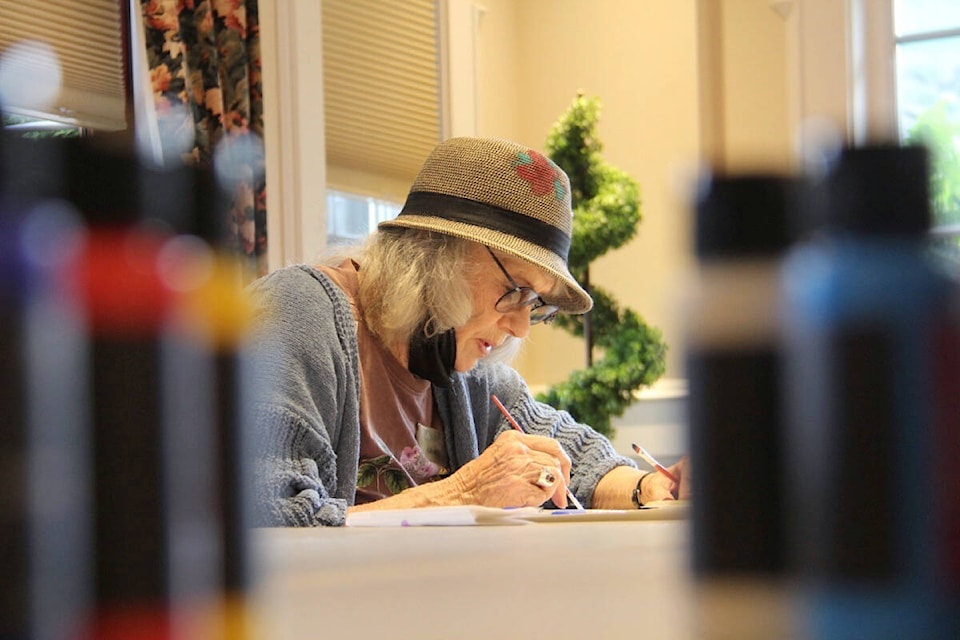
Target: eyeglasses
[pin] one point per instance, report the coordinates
(522, 297)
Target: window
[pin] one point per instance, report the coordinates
(382, 107)
(29, 127)
(350, 217)
(928, 95)
(381, 72)
(64, 61)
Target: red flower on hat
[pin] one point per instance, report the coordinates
(544, 176)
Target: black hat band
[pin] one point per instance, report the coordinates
(479, 214)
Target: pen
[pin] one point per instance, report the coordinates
(650, 460)
(570, 497)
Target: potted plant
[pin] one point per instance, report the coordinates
(606, 203)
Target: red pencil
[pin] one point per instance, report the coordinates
(649, 459)
(505, 413)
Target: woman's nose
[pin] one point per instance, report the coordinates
(516, 322)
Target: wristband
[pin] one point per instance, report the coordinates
(635, 496)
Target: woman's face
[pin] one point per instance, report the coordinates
(488, 328)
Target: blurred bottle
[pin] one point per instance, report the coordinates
(154, 542)
(44, 497)
(873, 362)
(213, 322)
(124, 515)
(125, 303)
(735, 415)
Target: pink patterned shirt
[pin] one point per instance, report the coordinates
(401, 437)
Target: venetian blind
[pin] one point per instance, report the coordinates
(86, 37)
(381, 85)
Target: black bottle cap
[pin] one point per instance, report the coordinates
(876, 190)
(743, 215)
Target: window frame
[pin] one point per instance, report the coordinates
(944, 236)
(95, 92)
(940, 228)
(873, 110)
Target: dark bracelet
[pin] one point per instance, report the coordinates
(635, 496)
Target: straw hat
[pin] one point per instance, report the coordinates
(503, 195)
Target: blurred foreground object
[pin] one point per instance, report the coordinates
(873, 354)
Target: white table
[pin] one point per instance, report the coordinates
(554, 580)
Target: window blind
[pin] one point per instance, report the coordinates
(87, 37)
(381, 85)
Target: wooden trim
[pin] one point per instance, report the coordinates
(292, 57)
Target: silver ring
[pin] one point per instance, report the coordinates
(546, 479)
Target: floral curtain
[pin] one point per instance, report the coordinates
(205, 69)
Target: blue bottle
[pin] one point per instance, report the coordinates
(873, 382)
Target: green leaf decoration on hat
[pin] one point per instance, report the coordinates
(542, 174)
(606, 206)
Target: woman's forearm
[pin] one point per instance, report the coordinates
(615, 489)
(444, 492)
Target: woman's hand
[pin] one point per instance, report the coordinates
(657, 486)
(515, 471)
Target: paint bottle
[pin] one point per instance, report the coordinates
(873, 372)
(127, 427)
(213, 321)
(735, 417)
(14, 436)
(44, 502)
(153, 540)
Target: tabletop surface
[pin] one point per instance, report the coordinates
(542, 580)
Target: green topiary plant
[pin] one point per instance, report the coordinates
(606, 203)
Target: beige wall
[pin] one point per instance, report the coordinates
(639, 59)
(753, 61)
(648, 62)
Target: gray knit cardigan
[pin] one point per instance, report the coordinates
(307, 413)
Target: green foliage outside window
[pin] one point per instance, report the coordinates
(29, 128)
(941, 134)
(606, 204)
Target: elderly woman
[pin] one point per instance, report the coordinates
(380, 371)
